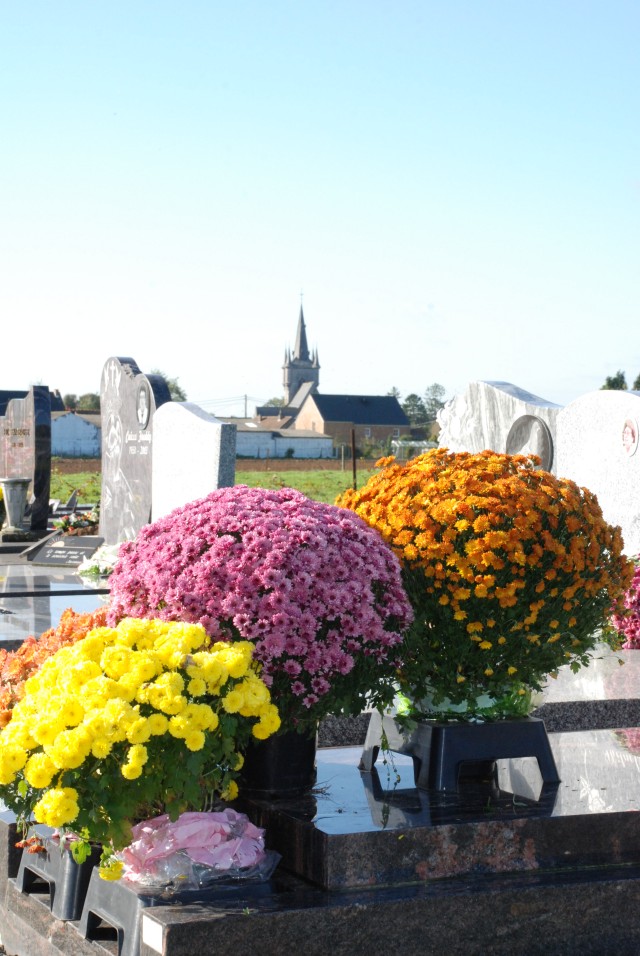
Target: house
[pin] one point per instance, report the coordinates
(260, 440)
(76, 434)
(373, 418)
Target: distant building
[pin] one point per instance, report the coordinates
(373, 418)
(265, 440)
(302, 369)
(76, 434)
(301, 375)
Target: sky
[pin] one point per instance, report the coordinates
(453, 188)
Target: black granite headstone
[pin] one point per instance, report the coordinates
(64, 551)
(128, 400)
(25, 448)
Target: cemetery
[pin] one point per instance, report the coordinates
(396, 725)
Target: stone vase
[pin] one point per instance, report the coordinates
(15, 502)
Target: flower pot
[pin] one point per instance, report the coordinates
(67, 880)
(281, 767)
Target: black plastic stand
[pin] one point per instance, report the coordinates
(440, 749)
(67, 880)
(121, 905)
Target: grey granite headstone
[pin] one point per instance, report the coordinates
(500, 417)
(597, 441)
(25, 448)
(128, 402)
(193, 454)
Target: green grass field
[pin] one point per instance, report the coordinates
(319, 485)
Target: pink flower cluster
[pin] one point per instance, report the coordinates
(628, 625)
(224, 841)
(311, 585)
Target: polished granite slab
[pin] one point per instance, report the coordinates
(363, 829)
(33, 599)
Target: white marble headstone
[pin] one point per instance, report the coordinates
(597, 447)
(500, 417)
(193, 454)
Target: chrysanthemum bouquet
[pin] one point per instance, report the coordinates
(312, 586)
(143, 718)
(510, 571)
(17, 666)
(79, 522)
(626, 622)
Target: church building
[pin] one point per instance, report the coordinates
(372, 418)
(301, 368)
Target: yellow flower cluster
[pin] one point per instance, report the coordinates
(111, 695)
(510, 570)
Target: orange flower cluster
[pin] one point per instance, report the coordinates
(17, 666)
(510, 570)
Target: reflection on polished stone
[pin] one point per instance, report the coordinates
(32, 600)
(379, 828)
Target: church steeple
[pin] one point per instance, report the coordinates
(301, 367)
(301, 351)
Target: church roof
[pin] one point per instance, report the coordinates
(305, 389)
(361, 409)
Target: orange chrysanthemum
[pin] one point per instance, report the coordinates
(493, 540)
(17, 666)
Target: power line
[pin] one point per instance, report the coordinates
(217, 403)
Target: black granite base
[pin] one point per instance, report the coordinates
(592, 914)
(502, 866)
(363, 829)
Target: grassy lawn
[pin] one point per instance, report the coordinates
(319, 485)
(86, 483)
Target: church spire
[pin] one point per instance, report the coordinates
(301, 367)
(301, 351)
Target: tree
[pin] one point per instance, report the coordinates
(89, 402)
(275, 402)
(433, 400)
(176, 390)
(636, 384)
(70, 401)
(394, 393)
(616, 382)
(414, 409)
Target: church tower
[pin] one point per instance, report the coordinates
(302, 367)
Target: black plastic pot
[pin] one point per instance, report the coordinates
(281, 767)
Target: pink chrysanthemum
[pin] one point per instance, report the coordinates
(314, 587)
(628, 625)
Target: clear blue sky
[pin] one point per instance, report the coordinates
(454, 185)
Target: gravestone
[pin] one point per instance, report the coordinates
(128, 402)
(25, 449)
(193, 454)
(597, 447)
(500, 417)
